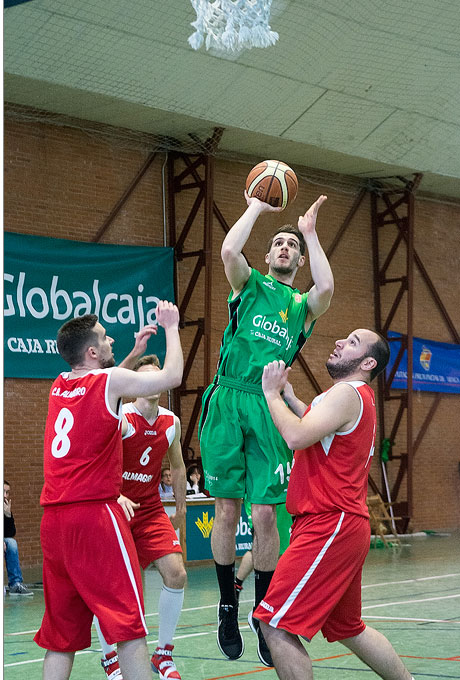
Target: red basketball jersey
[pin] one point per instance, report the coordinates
(83, 449)
(144, 447)
(332, 474)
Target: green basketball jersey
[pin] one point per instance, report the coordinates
(266, 322)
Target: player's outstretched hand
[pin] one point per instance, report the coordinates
(128, 506)
(274, 378)
(307, 222)
(167, 314)
(263, 207)
(143, 336)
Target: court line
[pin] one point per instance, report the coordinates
(213, 632)
(431, 658)
(368, 585)
(372, 606)
(410, 580)
(426, 599)
(406, 618)
(149, 642)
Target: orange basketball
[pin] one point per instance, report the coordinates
(272, 182)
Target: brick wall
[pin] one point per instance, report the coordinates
(61, 182)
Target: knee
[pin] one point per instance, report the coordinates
(263, 517)
(228, 510)
(176, 577)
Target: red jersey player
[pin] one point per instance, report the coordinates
(149, 433)
(317, 582)
(82, 519)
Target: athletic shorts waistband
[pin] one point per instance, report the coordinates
(252, 388)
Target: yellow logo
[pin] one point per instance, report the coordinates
(284, 315)
(425, 358)
(205, 525)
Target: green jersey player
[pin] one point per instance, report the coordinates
(242, 451)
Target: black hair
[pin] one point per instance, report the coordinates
(289, 229)
(74, 338)
(380, 351)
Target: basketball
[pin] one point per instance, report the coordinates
(272, 182)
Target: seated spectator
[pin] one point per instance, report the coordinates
(195, 484)
(165, 488)
(10, 548)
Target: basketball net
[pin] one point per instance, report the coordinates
(232, 24)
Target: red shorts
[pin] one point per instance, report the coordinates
(317, 582)
(154, 535)
(90, 567)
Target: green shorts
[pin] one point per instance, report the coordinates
(243, 454)
(283, 523)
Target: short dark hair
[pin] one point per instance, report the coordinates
(147, 360)
(380, 351)
(289, 229)
(75, 336)
(7, 483)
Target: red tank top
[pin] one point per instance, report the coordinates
(83, 450)
(331, 475)
(144, 447)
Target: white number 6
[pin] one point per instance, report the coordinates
(145, 456)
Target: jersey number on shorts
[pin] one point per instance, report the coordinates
(280, 470)
(60, 445)
(145, 456)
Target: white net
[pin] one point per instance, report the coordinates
(232, 25)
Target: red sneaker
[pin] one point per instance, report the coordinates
(163, 664)
(111, 666)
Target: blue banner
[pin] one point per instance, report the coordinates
(436, 365)
(49, 281)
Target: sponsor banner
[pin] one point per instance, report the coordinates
(436, 365)
(49, 281)
(199, 521)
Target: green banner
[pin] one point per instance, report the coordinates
(199, 522)
(48, 281)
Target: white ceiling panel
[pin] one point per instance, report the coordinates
(338, 120)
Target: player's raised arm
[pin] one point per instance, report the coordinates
(320, 294)
(126, 383)
(338, 410)
(236, 267)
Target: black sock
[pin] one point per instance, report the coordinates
(238, 582)
(225, 578)
(262, 581)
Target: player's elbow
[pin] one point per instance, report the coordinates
(292, 442)
(227, 253)
(297, 440)
(173, 376)
(322, 302)
(176, 380)
(326, 291)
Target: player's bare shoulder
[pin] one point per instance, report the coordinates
(343, 398)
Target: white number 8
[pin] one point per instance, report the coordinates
(60, 445)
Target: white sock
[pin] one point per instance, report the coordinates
(106, 648)
(169, 609)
